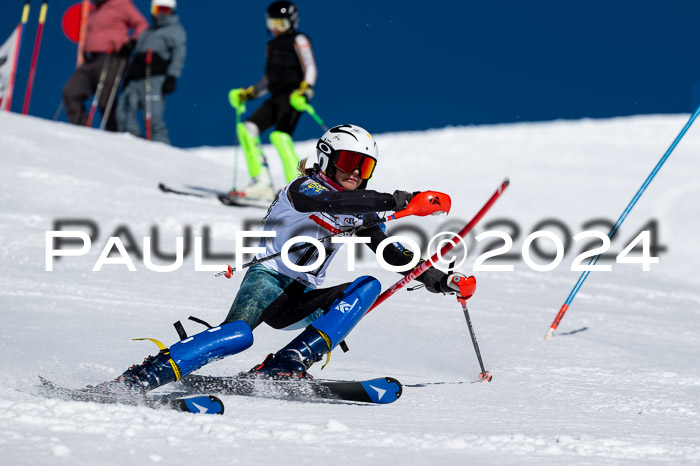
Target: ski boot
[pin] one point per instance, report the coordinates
(318, 339)
(260, 188)
(293, 361)
(182, 358)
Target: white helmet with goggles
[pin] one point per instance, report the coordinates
(162, 6)
(347, 148)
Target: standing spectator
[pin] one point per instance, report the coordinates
(108, 31)
(167, 41)
(290, 68)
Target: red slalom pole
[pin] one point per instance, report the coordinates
(149, 60)
(84, 12)
(18, 46)
(35, 57)
(445, 249)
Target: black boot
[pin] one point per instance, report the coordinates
(293, 360)
(153, 372)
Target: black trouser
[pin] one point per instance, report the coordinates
(83, 83)
(294, 304)
(278, 112)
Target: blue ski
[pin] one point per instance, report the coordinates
(382, 390)
(204, 404)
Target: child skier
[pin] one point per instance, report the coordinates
(332, 196)
(290, 68)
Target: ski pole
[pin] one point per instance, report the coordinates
(236, 150)
(149, 60)
(584, 275)
(234, 97)
(113, 92)
(421, 205)
(18, 47)
(441, 253)
(84, 12)
(484, 375)
(467, 287)
(100, 87)
(310, 110)
(35, 57)
(298, 101)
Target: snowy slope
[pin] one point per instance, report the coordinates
(618, 385)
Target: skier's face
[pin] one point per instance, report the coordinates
(349, 181)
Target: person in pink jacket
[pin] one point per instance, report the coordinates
(112, 29)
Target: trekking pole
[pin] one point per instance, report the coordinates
(35, 57)
(298, 101)
(421, 205)
(7, 102)
(584, 275)
(100, 87)
(113, 92)
(149, 60)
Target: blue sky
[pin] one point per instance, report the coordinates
(393, 66)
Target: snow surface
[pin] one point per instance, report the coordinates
(619, 384)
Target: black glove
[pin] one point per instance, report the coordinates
(126, 49)
(169, 85)
(402, 198)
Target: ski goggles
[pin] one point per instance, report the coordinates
(348, 161)
(157, 9)
(277, 24)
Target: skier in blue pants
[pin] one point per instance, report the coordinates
(325, 199)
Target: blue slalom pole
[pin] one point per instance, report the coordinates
(584, 275)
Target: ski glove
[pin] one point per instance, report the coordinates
(401, 199)
(299, 98)
(169, 85)
(305, 89)
(451, 284)
(248, 94)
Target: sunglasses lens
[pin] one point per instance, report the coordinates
(349, 161)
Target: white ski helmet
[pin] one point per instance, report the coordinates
(347, 148)
(166, 3)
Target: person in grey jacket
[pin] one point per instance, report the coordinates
(167, 41)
